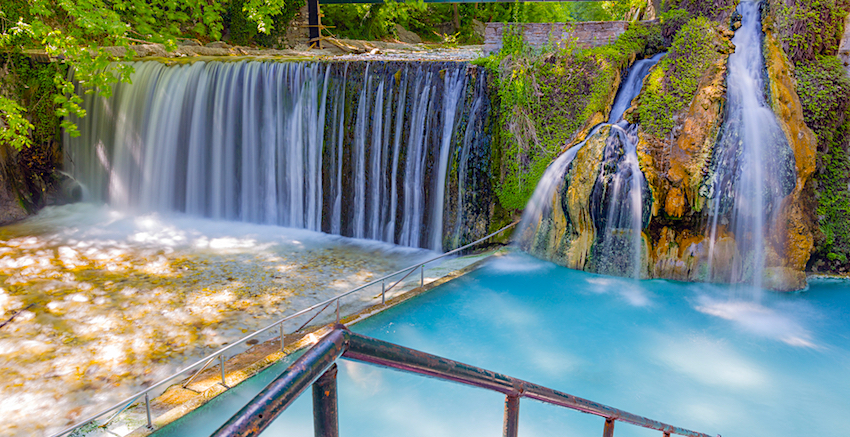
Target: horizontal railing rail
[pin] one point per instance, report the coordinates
(204, 362)
(317, 367)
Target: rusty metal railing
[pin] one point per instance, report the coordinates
(220, 354)
(317, 367)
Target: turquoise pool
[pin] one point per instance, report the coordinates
(706, 357)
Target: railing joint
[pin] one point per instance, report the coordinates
(609, 427)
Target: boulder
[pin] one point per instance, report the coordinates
(407, 36)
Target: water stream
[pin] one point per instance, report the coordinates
(753, 166)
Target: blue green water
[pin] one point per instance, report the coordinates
(699, 356)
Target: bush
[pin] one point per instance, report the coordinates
(824, 90)
(808, 28)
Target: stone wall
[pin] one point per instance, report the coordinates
(585, 33)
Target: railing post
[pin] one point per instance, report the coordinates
(383, 292)
(337, 311)
(281, 338)
(221, 364)
(511, 416)
(325, 421)
(422, 276)
(609, 428)
(148, 410)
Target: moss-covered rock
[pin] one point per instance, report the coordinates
(680, 111)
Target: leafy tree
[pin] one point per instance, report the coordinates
(76, 34)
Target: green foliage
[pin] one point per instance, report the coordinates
(33, 90)
(545, 97)
(364, 21)
(432, 21)
(716, 10)
(824, 91)
(808, 28)
(74, 34)
(669, 89)
(15, 127)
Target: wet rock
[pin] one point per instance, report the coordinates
(675, 203)
(784, 279)
(10, 208)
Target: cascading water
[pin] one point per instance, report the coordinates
(753, 166)
(360, 149)
(616, 209)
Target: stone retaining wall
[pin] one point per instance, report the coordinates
(586, 34)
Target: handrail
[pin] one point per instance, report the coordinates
(262, 410)
(206, 360)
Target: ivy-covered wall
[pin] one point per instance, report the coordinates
(29, 172)
(809, 32)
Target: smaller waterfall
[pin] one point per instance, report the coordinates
(631, 87)
(753, 166)
(616, 202)
(617, 206)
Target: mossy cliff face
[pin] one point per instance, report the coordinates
(678, 166)
(808, 33)
(792, 245)
(680, 111)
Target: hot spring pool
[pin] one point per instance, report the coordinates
(710, 358)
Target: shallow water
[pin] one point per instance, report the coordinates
(108, 303)
(691, 355)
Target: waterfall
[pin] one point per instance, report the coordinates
(752, 166)
(361, 149)
(616, 201)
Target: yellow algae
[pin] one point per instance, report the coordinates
(108, 316)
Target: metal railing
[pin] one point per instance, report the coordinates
(317, 367)
(204, 362)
